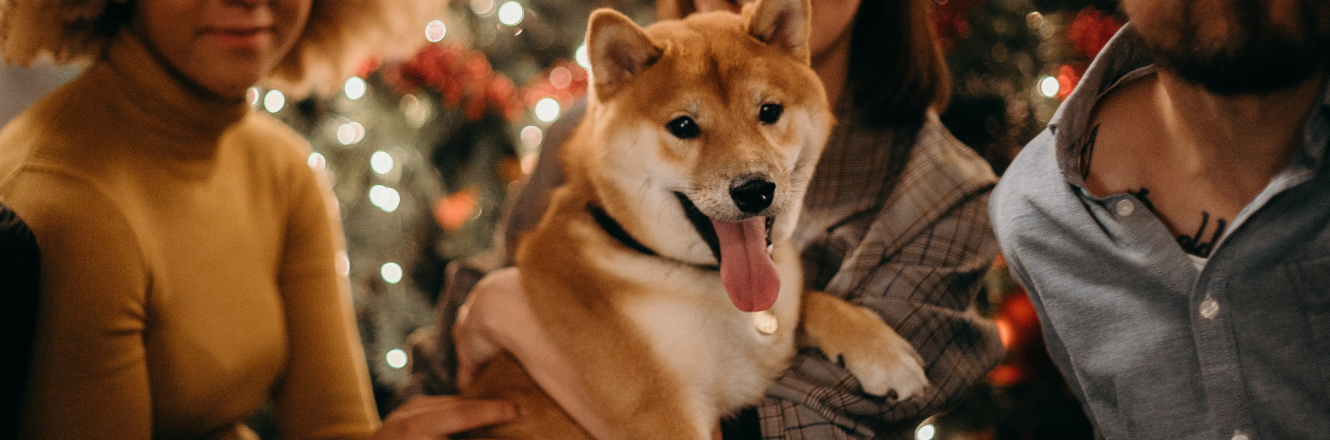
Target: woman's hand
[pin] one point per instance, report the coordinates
(434, 417)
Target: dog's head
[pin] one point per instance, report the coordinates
(706, 132)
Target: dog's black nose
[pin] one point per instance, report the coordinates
(752, 195)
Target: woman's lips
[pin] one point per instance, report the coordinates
(241, 37)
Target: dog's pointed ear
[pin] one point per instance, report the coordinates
(618, 49)
(782, 23)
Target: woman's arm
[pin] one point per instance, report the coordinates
(325, 392)
(89, 372)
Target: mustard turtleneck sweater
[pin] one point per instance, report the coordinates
(187, 259)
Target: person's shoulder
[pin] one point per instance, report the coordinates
(270, 143)
(61, 205)
(1032, 187)
(42, 131)
(936, 148)
(265, 131)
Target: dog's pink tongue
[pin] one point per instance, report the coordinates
(746, 269)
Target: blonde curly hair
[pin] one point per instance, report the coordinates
(339, 35)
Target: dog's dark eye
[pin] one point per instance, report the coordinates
(683, 127)
(770, 113)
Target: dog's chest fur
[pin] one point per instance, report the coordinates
(713, 352)
(717, 352)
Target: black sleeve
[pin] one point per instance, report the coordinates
(19, 265)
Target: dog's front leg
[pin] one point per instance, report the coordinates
(882, 361)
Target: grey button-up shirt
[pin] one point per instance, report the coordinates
(1153, 347)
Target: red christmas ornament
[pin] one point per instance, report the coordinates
(453, 211)
(1020, 332)
(1091, 29)
(564, 81)
(949, 22)
(463, 78)
(1068, 76)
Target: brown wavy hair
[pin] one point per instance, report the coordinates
(338, 36)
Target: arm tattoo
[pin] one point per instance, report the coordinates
(1191, 244)
(1087, 151)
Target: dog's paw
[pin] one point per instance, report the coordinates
(886, 365)
(884, 362)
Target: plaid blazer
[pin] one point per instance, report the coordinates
(892, 222)
(898, 224)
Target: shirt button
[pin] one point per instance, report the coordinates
(1125, 207)
(1210, 308)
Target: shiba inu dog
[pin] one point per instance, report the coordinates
(662, 267)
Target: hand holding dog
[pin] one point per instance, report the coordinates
(434, 417)
(497, 317)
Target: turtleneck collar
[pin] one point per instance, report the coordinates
(157, 97)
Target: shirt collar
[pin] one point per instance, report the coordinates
(1125, 58)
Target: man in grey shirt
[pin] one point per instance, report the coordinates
(1172, 224)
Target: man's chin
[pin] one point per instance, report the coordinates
(1252, 73)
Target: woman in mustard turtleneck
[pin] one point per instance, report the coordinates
(187, 252)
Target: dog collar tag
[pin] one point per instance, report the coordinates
(765, 322)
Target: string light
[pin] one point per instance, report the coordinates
(1034, 20)
(381, 162)
(925, 432)
(385, 198)
(350, 133)
(391, 272)
(355, 88)
(511, 13)
(547, 110)
(396, 358)
(561, 77)
(274, 101)
(252, 96)
(342, 263)
(1048, 86)
(317, 162)
(435, 30)
(582, 58)
(416, 112)
(531, 136)
(482, 7)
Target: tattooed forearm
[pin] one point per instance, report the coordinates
(1193, 244)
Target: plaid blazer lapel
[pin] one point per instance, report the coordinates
(934, 181)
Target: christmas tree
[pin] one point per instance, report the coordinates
(423, 153)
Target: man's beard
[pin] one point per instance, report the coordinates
(1264, 58)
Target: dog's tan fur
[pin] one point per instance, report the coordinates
(658, 344)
